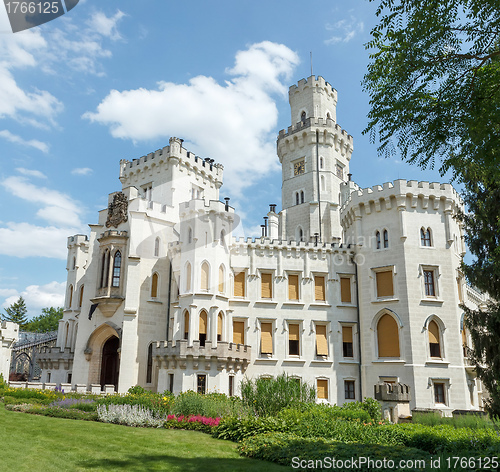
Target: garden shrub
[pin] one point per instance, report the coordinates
(211, 405)
(130, 415)
(268, 396)
(282, 448)
(82, 404)
(159, 403)
(236, 429)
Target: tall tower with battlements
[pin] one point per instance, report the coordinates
(314, 153)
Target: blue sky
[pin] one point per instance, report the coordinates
(114, 80)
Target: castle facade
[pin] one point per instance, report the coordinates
(355, 291)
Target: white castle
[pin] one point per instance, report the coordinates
(355, 291)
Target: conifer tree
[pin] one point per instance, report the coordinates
(17, 313)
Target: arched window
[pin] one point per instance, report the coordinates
(221, 278)
(386, 239)
(117, 267)
(303, 116)
(299, 234)
(157, 247)
(80, 297)
(149, 370)
(70, 296)
(190, 235)
(202, 335)
(388, 337)
(297, 198)
(434, 339)
(328, 116)
(425, 237)
(302, 198)
(67, 340)
(186, 324)
(377, 239)
(220, 320)
(154, 285)
(188, 277)
(105, 269)
(204, 276)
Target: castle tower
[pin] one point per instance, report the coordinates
(314, 153)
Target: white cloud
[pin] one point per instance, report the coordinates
(31, 173)
(57, 208)
(344, 30)
(28, 240)
(13, 138)
(82, 171)
(106, 26)
(233, 123)
(39, 296)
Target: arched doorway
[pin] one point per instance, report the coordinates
(110, 362)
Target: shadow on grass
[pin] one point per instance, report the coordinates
(171, 463)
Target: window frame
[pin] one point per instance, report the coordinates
(267, 321)
(435, 271)
(376, 270)
(299, 344)
(236, 272)
(325, 280)
(326, 326)
(348, 391)
(323, 379)
(271, 275)
(426, 237)
(299, 280)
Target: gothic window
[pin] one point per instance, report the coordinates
(204, 276)
(377, 240)
(105, 269)
(202, 335)
(220, 321)
(386, 239)
(117, 266)
(186, 325)
(70, 296)
(434, 339)
(221, 278)
(425, 237)
(388, 337)
(302, 198)
(154, 285)
(430, 288)
(149, 371)
(188, 277)
(202, 383)
(157, 247)
(297, 198)
(80, 297)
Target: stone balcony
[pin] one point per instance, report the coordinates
(54, 358)
(386, 392)
(177, 354)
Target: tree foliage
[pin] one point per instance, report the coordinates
(432, 65)
(47, 321)
(17, 313)
(434, 85)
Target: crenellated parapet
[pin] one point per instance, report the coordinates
(176, 355)
(55, 358)
(154, 161)
(400, 194)
(304, 133)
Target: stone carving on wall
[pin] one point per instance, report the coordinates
(117, 210)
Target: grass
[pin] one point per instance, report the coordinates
(37, 443)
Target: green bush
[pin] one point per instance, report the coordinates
(236, 429)
(55, 412)
(283, 448)
(137, 390)
(370, 405)
(213, 405)
(267, 396)
(159, 403)
(462, 421)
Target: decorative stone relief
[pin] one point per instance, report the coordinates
(117, 210)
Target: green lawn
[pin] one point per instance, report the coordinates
(38, 443)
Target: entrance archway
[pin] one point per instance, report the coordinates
(110, 362)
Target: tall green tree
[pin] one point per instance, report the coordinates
(17, 313)
(434, 85)
(47, 321)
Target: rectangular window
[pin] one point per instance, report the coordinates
(293, 340)
(439, 392)
(319, 288)
(231, 385)
(239, 284)
(385, 286)
(430, 290)
(293, 287)
(70, 376)
(266, 338)
(322, 389)
(171, 383)
(202, 383)
(321, 341)
(345, 289)
(266, 281)
(349, 389)
(347, 341)
(238, 332)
